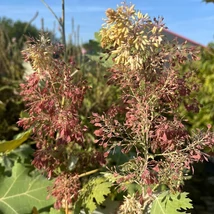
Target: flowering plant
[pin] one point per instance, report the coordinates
(146, 121)
(53, 98)
(144, 125)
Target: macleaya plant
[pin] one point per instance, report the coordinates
(53, 99)
(144, 125)
(146, 121)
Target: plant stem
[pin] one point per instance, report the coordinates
(61, 22)
(66, 207)
(26, 27)
(88, 173)
(49, 8)
(63, 29)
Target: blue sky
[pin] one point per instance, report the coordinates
(193, 19)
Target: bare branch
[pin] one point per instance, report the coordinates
(43, 1)
(63, 29)
(27, 25)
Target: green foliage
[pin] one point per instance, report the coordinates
(10, 107)
(23, 154)
(92, 47)
(17, 29)
(8, 146)
(97, 37)
(11, 73)
(54, 211)
(206, 93)
(132, 188)
(204, 69)
(93, 194)
(23, 190)
(96, 54)
(168, 203)
(208, 1)
(100, 95)
(102, 58)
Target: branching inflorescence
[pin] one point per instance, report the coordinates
(53, 100)
(145, 124)
(148, 122)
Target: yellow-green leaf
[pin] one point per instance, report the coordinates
(168, 203)
(93, 193)
(7, 146)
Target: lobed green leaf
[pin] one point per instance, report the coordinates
(23, 191)
(168, 203)
(93, 193)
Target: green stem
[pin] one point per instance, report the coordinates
(88, 173)
(63, 29)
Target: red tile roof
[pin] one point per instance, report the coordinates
(171, 35)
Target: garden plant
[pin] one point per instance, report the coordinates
(138, 150)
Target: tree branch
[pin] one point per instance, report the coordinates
(43, 1)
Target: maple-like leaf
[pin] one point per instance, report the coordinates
(168, 203)
(23, 191)
(93, 193)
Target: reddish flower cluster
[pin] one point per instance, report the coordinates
(53, 102)
(53, 99)
(168, 135)
(65, 189)
(149, 123)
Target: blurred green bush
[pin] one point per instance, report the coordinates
(204, 69)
